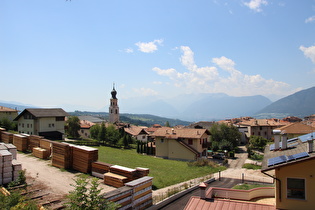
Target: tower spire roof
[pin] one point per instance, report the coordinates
(114, 92)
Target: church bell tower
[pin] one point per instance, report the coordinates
(113, 108)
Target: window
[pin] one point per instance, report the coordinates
(60, 118)
(190, 141)
(296, 188)
(162, 140)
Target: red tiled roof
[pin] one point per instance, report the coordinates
(221, 204)
(173, 133)
(6, 109)
(297, 128)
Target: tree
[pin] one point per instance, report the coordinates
(94, 131)
(112, 135)
(73, 124)
(224, 136)
(86, 196)
(7, 124)
(167, 124)
(257, 142)
(102, 133)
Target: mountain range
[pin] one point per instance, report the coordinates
(209, 107)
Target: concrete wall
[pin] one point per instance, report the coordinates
(245, 195)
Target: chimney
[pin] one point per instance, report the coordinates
(310, 145)
(203, 186)
(284, 141)
(276, 134)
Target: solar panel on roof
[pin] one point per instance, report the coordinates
(277, 160)
(292, 140)
(306, 137)
(297, 156)
(293, 145)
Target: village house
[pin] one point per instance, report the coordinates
(86, 122)
(295, 129)
(261, 127)
(181, 144)
(291, 163)
(8, 113)
(49, 123)
(137, 132)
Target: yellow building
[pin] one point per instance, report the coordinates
(293, 169)
(8, 113)
(181, 144)
(49, 123)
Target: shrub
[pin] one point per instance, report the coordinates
(201, 162)
(251, 166)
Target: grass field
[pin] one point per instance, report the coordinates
(164, 172)
(249, 186)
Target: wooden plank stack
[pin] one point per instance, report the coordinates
(21, 142)
(17, 167)
(40, 153)
(6, 137)
(122, 196)
(46, 144)
(61, 155)
(124, 171)
(11, 148)
(6, 167)
(34, 142)
(100, 168)
(141, 172)
(83, 157)
(142, 192)
(115, 180)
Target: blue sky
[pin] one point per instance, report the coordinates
(58, 52)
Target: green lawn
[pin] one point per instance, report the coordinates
(164, 172)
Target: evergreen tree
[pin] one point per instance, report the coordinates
(102, 133)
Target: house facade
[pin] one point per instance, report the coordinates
(181, 144)
(262, 127)
(49, 123)
(8, 113)
(292, 168)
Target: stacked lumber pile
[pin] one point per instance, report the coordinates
(5, 167)
(141, 172)
(83, 157)
(100, 168)
(142, 192)
(115, 180)
(45, 144)
(21, 142)
(17, 167)
(33, 142)
(124, 171)
(61, 155)
(40, 153)
(122, 196)
(11, 148)
(6, 137)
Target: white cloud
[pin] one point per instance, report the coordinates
(310, 19)
(225, 78)
(149, 47)
(255, 4)
(129, 50)
(309, 52)
(145, 91)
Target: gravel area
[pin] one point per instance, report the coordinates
(59, 181)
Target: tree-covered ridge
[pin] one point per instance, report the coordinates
(136, 119)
